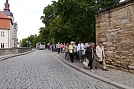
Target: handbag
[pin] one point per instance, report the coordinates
(86, 62)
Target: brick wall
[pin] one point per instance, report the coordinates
(115, 28)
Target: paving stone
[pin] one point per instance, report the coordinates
(42, 70)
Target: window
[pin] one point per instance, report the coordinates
(2, 33)
(2, 45)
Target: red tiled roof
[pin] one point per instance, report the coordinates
(4, 21)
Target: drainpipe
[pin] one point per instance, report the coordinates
(8, 38)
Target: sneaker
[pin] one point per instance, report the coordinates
(96, 68)
(91, 70)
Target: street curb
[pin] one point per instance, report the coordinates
(7, 57)
(89, 73)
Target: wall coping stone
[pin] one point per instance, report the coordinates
(108, 9)
(14, 50)
(131, 67)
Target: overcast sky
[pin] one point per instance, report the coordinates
(27, 14)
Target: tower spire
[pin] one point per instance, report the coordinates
(6, 6)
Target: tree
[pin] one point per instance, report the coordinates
(23, 43)
(30, 41)
(68, 20)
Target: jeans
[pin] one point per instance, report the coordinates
(67, 55)
(58, 49)
(80, 52)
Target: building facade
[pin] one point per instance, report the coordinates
(115, 28)
(8, 28)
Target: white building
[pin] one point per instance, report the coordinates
(8, 29)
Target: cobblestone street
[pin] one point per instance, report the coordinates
(42, 70)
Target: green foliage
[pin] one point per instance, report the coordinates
(32, 40)
(67, 20)
(23, 42)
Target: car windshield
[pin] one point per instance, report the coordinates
(42, 43)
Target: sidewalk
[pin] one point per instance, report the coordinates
(123, 80)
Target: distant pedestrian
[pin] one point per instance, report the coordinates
(101, 54)
(48, 45)
(80, 49)
(63, 47)
(90, 55)
(71, 51)
(75, 50)
(52, 47)
(86, 46)
(66, 50)
(58, 46)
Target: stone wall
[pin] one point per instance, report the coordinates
(14, 50)
(115, 28)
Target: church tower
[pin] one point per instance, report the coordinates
(7, 6)
(7, 10)
(13, 27)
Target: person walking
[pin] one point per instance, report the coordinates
(58, 46)
(71, 51)
(86, 46)
(75, 50)
(90, 55)
(66, 50)
(101, 55)
(80, 50)
(63, 47)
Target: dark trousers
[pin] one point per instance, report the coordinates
(90, 64)
(101, 62)
(76, 55)
(52, 49)
(58, 49)
(72, 57)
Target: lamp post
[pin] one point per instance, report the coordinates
(27, 42)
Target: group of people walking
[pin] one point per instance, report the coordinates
(84, 52)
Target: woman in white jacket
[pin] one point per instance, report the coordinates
(101, 55)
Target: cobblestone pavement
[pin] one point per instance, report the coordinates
(119, 76)
(42, 70)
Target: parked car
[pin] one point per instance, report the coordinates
(40, 46)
